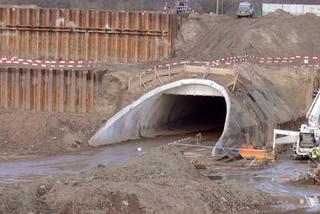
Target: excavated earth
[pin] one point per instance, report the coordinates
(276, 35)
(159, 181)
(162, 181)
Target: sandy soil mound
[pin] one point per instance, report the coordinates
(47, 133)
(278, 34)
(161, 181)
(279, 13)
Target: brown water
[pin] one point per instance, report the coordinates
(26, 170)
(277, 180)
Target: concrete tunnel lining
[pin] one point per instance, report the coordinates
(133, 122)
(173, 114)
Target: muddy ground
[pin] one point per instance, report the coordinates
(167, 179)
(159, 181)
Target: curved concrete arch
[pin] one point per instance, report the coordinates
(128, 123)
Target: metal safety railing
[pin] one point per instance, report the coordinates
(173, 68)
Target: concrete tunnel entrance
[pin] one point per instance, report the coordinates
(189, 114)
(184, 106)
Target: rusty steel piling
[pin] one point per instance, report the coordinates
(50, 90)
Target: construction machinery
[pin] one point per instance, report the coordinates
(307, 138)
(245, 10)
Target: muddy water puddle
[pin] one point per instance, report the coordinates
(277, 180)
(27, 170)
(117, 154)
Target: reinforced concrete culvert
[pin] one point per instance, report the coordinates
(184, 106)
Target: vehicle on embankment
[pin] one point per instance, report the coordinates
(245, 10)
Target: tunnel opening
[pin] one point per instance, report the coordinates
(180, 107)
(186, 114)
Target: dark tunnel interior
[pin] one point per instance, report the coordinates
(189, 114)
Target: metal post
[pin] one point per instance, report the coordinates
(155, 72)
(129, 84)
(217, 7)
(222, 7)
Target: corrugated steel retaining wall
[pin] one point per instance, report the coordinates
(48, 89)
(73, 34)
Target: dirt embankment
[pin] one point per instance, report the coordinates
(30, 133)
(266, 96)
(160, 181)
(278, 34)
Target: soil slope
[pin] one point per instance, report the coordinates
(278, 34)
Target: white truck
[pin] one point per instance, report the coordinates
(245, 10)
(307, 138)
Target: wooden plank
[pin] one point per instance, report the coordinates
(45, 89)
(116, 38)
(87, 45)
(39, 86)
(67, 90)
(56, 90)
(126, 39)
(6, 89)
(73, 91)
(2, 70)
(91, 92)
(61, 90)
(28, 89)
(11, 87)
(50, 90)
(84, 91)
(79, 91)
(136, 38)
(201, 70)
(34, 95)
(107, 37)
(17, 88)
(97, 47)
(37, 39)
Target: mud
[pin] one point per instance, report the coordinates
(159, 181)
(162, 180)
(24, 171)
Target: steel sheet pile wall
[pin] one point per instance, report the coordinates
(86, 34)
(47, 90)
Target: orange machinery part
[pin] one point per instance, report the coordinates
(249, 151)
